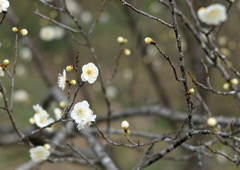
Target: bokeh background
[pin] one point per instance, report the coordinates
(143, 77)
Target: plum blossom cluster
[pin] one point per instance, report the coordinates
(82, 114)
(4, 4)
(89, 74)
(39, 153)
(213, 14)
(41, 117)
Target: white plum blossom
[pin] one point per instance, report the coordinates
(4, 4)
(89, 73)
(26, 54)
(47, 33)
(82, 114)
(58, 113)
(1, 72)
(86, 17)
(42, 119)
(62, 80)
(213, 14)
(39, 153)
(21, 96)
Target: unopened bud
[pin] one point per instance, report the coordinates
(32, 120)
(125, 125)
(226, 86)
(149, 40)
(47, 146)
(24, 32)
(191, 91)
(6, 62)
(127, 52)
(73, 82)
(62, 104)
(234, 81)
(69, 68)
(15, 29)
(212, 121)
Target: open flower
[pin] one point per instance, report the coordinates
(42, 119)
(1, 72)
(4, 4)
(82, 114)
(62, 80)
(213, 14)
(89, 73)
(39, 153)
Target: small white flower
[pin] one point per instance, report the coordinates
(21, 71)
(47, 33)
(112, 92)
(89, 73)
(20, 96)
(26, 54)
(1, 72)
(86, 17)
(62, 80)
(82, 114)
(213, 14)
(58, 113)
(73, 6)
(4, 4)
(39, 153)
(42, 119)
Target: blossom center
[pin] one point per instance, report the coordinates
(89, 72)
(213, 14)
(43, 119)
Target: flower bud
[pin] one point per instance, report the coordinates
(24, 32)
(149, 40)
(73, 82)
(69, 68)
(47, 146)
(226, 86)
(32, 120)
(212, 121)
(234, 81)
(6, 62)
(125, 125)
(62, 104)
(15, 29)
(127, 52)
(191, 91)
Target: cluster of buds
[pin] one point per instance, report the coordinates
(22, 31)
(125, 126)
(121, 40)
